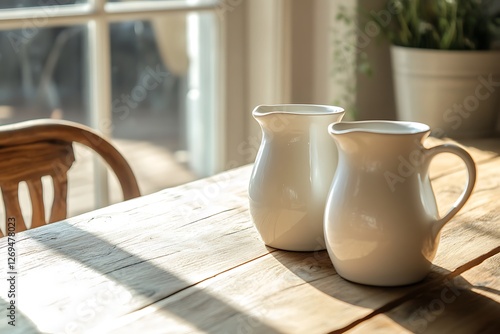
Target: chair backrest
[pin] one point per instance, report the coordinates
(33, 149)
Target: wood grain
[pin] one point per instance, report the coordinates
(467, 303)
(474, 230)
(34, 149)
(188, 259)
(446, 163)
(472, 233)
(36, 195)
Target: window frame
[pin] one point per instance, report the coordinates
(97, 15)
(253, 66)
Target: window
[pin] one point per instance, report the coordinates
(142, 72)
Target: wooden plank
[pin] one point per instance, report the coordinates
(223, 242)
(283, 292)
(189, 259)
(491, 145)
(136, 269)
(448, 260)
(474, 245)
(484, 279)
(474, 230)
(472, 233)
(324, 301)
(448, 307)
(192, 242)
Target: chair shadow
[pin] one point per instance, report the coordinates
(142, 277)
(414, 307)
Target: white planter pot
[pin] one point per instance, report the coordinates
(457, 93)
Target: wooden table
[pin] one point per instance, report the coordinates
(188, 259)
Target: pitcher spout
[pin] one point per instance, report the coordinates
(366, 135)
(279, 117)
(379, 127)
(295, 109)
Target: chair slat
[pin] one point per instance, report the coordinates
(36, 194)
(33, 149)
(59, 207)
(10, 195)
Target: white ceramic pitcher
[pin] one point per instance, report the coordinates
(382, 225)
(292, 174)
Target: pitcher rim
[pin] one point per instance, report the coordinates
(391, 127)
(327, 109)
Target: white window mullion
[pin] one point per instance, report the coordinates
(100, 93)
(153, 6)
(43, 17)
(204, 119)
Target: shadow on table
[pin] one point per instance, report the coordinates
(483, 144)
(19, 322)
(429, 306)
(197, 308)
(446, 306)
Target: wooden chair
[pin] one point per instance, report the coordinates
(33, 149)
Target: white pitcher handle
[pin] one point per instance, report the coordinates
(471, 179)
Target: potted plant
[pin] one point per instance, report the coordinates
(445, 69)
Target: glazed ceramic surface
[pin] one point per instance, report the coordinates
(382, 224)
(292, 174)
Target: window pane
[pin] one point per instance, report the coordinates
(42, 74)
(140, 0)
(162, 95)
(5, 4)
(150, 69)
(147, 93)
(193, 2)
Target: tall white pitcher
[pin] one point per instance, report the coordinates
(292, 174)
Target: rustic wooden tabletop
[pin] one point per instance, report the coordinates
(188, 259)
